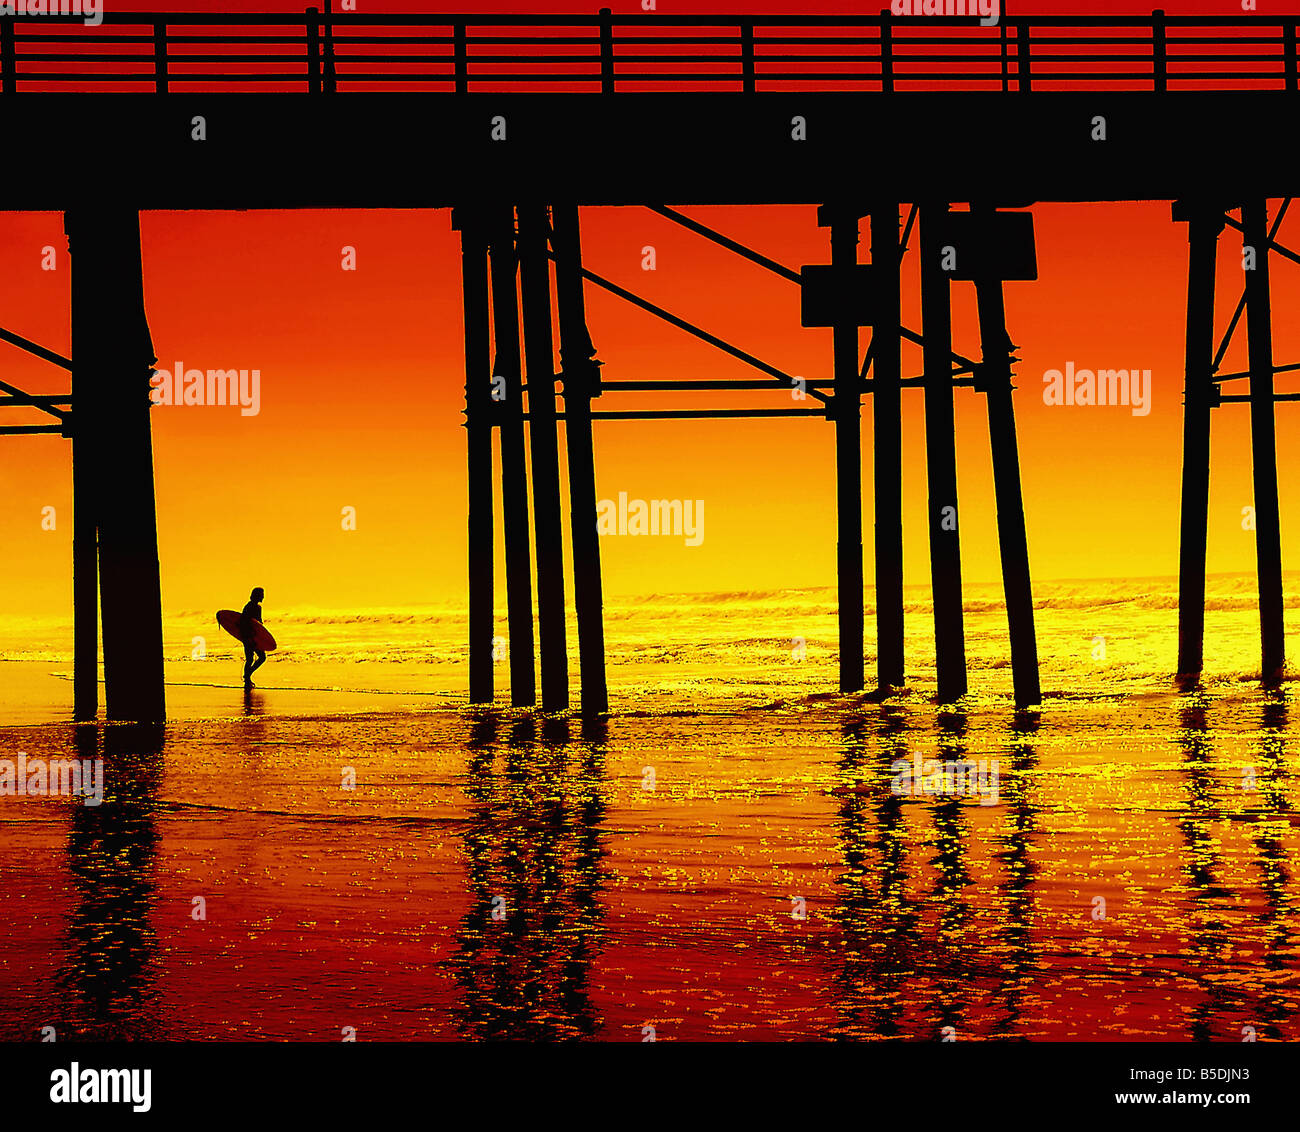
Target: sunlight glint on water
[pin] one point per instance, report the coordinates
(623, 907)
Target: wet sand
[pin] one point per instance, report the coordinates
(497, 874)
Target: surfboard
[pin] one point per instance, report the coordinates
(228, 619)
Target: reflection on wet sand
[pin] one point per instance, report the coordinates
(112, 960)
(1018, 962)
(527, 941)
(499, 875)
(1254, 1003)
(916, 962)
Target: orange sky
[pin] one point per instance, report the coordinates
(362, 390)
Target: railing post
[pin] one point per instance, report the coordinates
(886, 51)
(1006, 57)
(1159, 51)
(8, 57)
(460, 50)
(1022, 55)
(606, 51)
(160, 56)
(313, 51)
(1289, 55)
(747, 71)
(329, 81)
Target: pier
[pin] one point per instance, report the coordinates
(515, 124)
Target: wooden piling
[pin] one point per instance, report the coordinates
(1263, 444)
(1203, 228)
(887, 446)
(85, 542)
(508, 395)
(581, 381)
(847, 408)
(996, 350)
(543, 446)
(941, 458)
(85, 572)
(478, 434)
(112, 349)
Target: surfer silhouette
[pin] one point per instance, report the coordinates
(252, 612)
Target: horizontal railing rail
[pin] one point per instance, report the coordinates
(321, 52)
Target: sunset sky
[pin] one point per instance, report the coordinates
(362, 389)
(362, 392)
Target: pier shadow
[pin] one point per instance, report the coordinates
(534, 851)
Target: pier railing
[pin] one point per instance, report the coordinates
(320, 52)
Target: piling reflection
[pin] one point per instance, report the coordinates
(873, 912)
(1018, 963)
(108, 979)
(932, 915)
(534, 850)
(1208, 932)
(919, 960)
(951, 833)
(1231, 1006)
(1270, 817)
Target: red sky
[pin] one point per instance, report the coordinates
(362, 392)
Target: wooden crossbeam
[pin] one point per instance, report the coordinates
(21, 397)
(787, 380)
(33, 348)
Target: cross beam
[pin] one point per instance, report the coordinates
(1273, 245)
(788, 380)
(1241, 303)
(19, 397)
(33, 348)
(725, 241)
